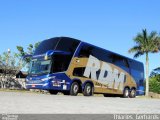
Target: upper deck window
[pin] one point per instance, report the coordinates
(100, 54)
(46, 45)
(67, 45)
(59, 43)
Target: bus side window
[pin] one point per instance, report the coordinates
(85, 51)
(126, 63)
(120, 61)
(60, 63)
(141, 83)
(78, 71)
(102, 55)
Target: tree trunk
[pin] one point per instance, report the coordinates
(147, 75)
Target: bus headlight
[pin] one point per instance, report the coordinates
(45, 84)
(44, 79)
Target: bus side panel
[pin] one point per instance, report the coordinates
(137, 73)
(57, 81)
(115, 62)
(78, 66)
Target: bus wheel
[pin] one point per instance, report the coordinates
(132, 93)
(74, 89)
(53, 92)
(88, 90)
(126, 92)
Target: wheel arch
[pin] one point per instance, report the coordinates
(133, 88)
(127, 87)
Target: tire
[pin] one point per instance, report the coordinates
(126, 93)
(132, 93)
(53, 92)
(88, 90)
(74, 89)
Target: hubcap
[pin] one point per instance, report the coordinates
(127, 92)
(75, 88)
(132, 92)
(88, 89)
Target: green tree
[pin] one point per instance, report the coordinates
(145, 44)
(154, 84)
(30, 50)
(9, 59)
(155, 72)
(9, 66)
(154, 81)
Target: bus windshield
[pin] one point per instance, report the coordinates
(61, 44)
(40, 67)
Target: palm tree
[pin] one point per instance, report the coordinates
(145, 44)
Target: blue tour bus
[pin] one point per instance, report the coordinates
(71, 66)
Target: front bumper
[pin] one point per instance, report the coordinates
(59, 81)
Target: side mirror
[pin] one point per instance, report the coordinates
(48, 53)
(51, 52)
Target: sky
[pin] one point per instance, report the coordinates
(110, 24)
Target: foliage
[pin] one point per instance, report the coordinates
(154, 81)
(145, 44)
(30, 50)
(155, 72)
(9, 59)
(154, 84)
(11, 64)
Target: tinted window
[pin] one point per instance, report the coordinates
(136, 65)
(85, 51)
(79, 71)
(100, 54)
(126, 63)
(137, 71)
(60, 63)
(141, 83)
(67, 44)
(138, 76)
(120, 61)
(46, 45)
(104, 55)
(59, 43)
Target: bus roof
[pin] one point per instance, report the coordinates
(130, 59)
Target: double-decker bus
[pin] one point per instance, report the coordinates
(71, 66)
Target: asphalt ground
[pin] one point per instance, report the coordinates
(33, 103)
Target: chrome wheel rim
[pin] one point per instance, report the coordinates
(88, 89)
(126, 92)
(75, 88)
(133, 93)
